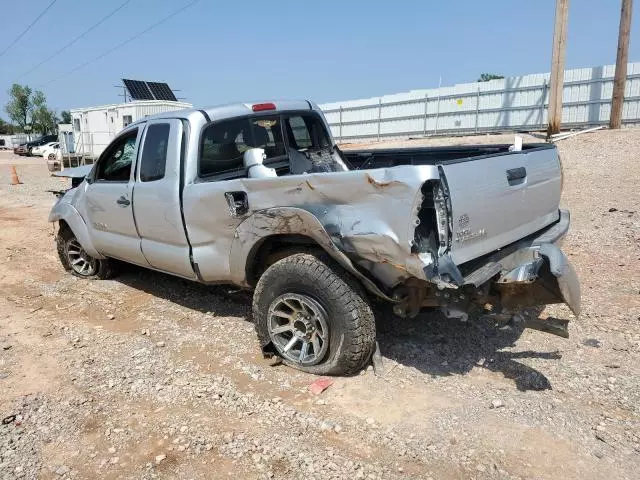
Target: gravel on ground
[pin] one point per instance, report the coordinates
(148, 376)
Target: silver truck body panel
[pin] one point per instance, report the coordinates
(65, 210)
(490, 212)
(158, 214)
(365, 214)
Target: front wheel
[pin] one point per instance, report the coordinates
(76, 260)
(315, 315)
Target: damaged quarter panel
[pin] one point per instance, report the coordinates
(370, 216)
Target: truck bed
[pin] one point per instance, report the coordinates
(391, 157)
(494, 196)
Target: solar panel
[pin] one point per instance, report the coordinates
(161, 91)
(138, 89)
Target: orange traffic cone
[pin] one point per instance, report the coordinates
(14, 176)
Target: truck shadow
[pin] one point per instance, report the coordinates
(221, 300)
(431, 343)
(439, 346)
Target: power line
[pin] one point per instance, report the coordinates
(121, 44)
(28, 28)
(83, 34)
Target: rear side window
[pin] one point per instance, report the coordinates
(224, 143)
(154, 152)
(115, 163)
(306, 132)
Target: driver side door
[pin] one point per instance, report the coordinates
(107, 207)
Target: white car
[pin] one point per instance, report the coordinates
(48, 150)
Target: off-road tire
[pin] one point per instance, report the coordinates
(349, 314)
(106, 268)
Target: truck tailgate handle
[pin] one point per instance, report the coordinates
(516, 175)
(123, 201)
(238, 203)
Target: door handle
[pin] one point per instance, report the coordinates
(238, 203)
(516, 176)
(123, 201)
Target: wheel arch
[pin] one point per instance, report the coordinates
(284, 231)
(68, 217)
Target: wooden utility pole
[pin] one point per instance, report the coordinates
(556, 82)
(615, 120)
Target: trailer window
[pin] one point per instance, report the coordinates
(154, 152)
(224, 143)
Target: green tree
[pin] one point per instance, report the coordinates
(43, 119)
(6, 128)
(485, 77)
(27, 107)
(65, 116)
(20, 105)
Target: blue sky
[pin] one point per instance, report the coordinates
(325, 50)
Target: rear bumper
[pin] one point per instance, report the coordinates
(531, 272)
(514, 255)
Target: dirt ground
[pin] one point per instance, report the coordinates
(149, 376)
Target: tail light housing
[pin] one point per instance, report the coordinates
(261, 107)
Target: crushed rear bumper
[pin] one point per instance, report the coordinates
(531, 272)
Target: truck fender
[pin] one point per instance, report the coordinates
(67, 212)
(281, 221)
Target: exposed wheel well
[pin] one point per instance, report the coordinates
(63, 226)
(273, 248)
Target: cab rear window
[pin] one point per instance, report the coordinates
(224, 143)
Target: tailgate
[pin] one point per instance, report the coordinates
(499, 199)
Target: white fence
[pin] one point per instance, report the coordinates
(513, 103)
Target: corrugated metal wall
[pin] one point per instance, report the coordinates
(513, 103)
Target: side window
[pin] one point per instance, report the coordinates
(154, 152)
(224, 143)
(300, 133)
(115, 163)
(306, 132)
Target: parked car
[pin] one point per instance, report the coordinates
(260, 196)
(20, 149)
(52, 151)
(39, 142)
(39, 150)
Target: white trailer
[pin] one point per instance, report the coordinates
(95, 127)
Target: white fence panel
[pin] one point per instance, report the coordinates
(514, 103)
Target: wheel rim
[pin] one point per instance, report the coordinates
(80, 261)
(298, 328)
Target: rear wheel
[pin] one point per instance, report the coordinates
(76, 260)
(315, 315)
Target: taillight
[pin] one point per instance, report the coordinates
(261, 107)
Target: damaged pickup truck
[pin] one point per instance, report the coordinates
(259, 196)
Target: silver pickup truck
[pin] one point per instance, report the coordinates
(259, 195)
